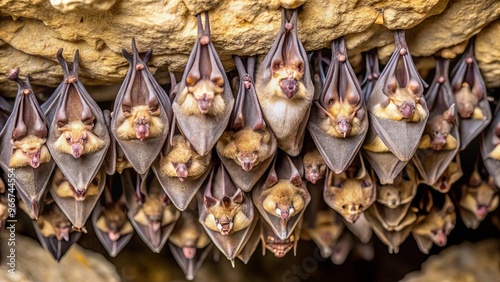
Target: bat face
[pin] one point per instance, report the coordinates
(284, 200)
(63, 188)
(140, 122)
(437, 134)
(468, 103)
(226, 215)
(279, 247)
(327, 229)
(77, 139)
(30, 150)
(402, 191)
(451, 174)
(479, 197)
(314, 166)
(284, 87)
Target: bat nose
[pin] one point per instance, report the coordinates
(247, 165)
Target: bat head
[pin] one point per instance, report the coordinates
(479, 197)
(314, 166)
(437, 225)
(398, 193)
(439, 127)
(224, 211)
(145, 121)
(466, 101)
(76, 139)
(33, 152)
(204, 97)
(284, 200)
(277, 246)
(183, 162)
(59, 222)
(115, 218)
(64, 189)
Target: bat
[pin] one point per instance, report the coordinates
(141, 114)
(5, 109)
(54, 231)
(490, 148)
(189, 243)
(470, 94)
(112, 227)
(441, 139)
(338, 118)
(246, 148)
(452, 173)
(342, 248)
(78, 136)
(361, 229)
(204, 100)
(372, 73)
(402, 191)
(24, 153)
(278, 246)
(435, 226)
(351, 192)
(251, 241)
(284, 86)
(77, 205)
(479, 197)
(150, 210)
(313, 163)
(226, 213)
(398, 112)
(328, 226)
(282, 197)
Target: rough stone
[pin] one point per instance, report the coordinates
(488, 53)
(84, 6)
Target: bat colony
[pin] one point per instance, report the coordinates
(233, 164)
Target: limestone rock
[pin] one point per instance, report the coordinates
(488, 53)
(84, 6)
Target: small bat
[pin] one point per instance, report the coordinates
(54, 231)
(451, 174)
(435, 226)
(204, 100)
(189, 244)
(338, 118)
(372, 73)
(247, 147)
(490, 148)
(282, 198)
(351, 192)
(398, 112)
(77, 205)
(24, 153)
(313, 163)
(328, 227)
(479, 197)
(471, 97)
(285, 88)
(440, 142)
(78, 136)
(278, 246)
(226, 213)
(112, 227)
(142, 113)
(151, 212)
(402, 191)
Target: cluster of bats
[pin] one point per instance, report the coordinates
(149, 165)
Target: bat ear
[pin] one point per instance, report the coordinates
(210, 201)
(450, 113)
(272, 179)
(391, 85)
(413, 86)
(475, 179)
(448, 206)
(226, 202)
(238, 197)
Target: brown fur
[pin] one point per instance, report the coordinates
(326, 230)
(114, 219)
(53, 222)
(468, 103)
(450, 176)
(76, 132)
(401, 191)
(4, 211)
(122, 164)
(188, 233)
(314, 166)
(396, 100)
(128, 130)
(437, 127)
(245, 145)
(342, 111)
(63, 189)
(224, 215)
(154, 207)
(283, 195)
(376, 145)
(495, 153)
(25, 149)
(182, 153)
(480, 197)
(188, 99)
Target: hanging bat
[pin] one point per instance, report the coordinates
(372, 73)
(278, 246)
(338, 118)
(314, 164)
(112, 227)
(435, 226)
(24, 153)
(490, 148)
(285, 88)
(77, 205)
(54, 231)
(402, 191)
(226, 213)
(342, 248)
(451, 174)
(471, 97)
(247, 147)
(189, 243)
(204, 100)
(328, 227)
(151, 212)
(398, 112)
(78, 136)
(142, 113)
(437, 135)
(351, 192)
(283, 197)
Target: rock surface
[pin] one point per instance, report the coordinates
(463, 263)
(33, 31)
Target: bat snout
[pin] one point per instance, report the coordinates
(181, 172)
(189, 252)
(312, 177)
(344, 127)
(35, 160)
(76, 150)
(407, 110)
(114, 235)
(289, 87)
(142, 130)
(481, 211)
(205, 102)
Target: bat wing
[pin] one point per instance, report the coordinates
(5, 111)
(372, 73)
(203, 130)
(189, 266)
(140, 88)
(391, 219)
(400, 137)
(469, 218)
(252, 241)
(110, 159)
(490, 140)
(341, 86)
(80, 171)
(361, 229)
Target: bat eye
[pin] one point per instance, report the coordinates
(344, 207)
(95, 181)
(175, 164)
(405, 176)
(84, 139)
(300, 67)
(153, 108)
(338, 184)
(276, 66)
(331, 102)
(68, 139)
(433, 232)
(366, 184)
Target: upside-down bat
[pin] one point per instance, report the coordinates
(398, 112)
(189, 243)
(112, 227)
(351, 192)
(285, 88)
(435, 226)
(277, 245)
(24, 154)
(247, 147)
(402, 191)
(451, 174)
(471, 97)
(142, 113)
(328, 227)
(282, 197)
(490, 148)
(479, 197)
(76, 205)
(78, 135)
(437, 135)
(314, 164)
(372, 73)
(204, 100)
(338, 118)
(226, 213)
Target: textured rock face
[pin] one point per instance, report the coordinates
(33, 31)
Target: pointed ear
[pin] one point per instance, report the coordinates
(238, 197)
(449, 114)
(475, 179)
(448, 206)
(295, 178)
(413, 86)
(391, 86)
(210, 201)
